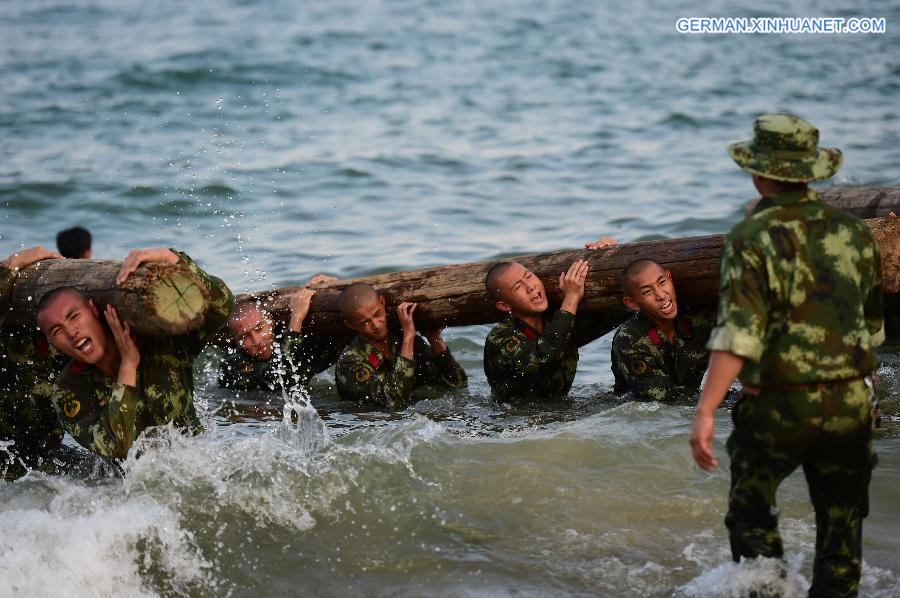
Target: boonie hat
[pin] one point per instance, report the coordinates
(786, 148)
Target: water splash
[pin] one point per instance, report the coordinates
(766, 577)
(90, 542)
(301, 427)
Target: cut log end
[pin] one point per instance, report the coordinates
(179, 301)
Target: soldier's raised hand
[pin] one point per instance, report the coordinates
(300, 302)
(136, 257)
(319, 279)
(601, 243)
(129, 354)
(26, 257)
(405, 315)
(571, 283)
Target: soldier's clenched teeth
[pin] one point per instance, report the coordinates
(85, 345)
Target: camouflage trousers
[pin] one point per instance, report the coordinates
(827, 431)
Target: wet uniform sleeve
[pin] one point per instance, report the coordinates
(743, 308)
(221, 303)
(390, 386)
(307, 355)
(515, 356)
(108, 430)
(442, 368)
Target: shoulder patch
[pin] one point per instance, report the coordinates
(513, 344)
(362, 372)
(71, 407)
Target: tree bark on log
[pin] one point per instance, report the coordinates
(167, 299)
(156, 299)
(455, 296)
(862, 202)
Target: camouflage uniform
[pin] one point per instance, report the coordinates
(298, 359)
(653, 368)
(28, 367)
(521, 363)
(801, 301)
(106, 416)
(364, 374)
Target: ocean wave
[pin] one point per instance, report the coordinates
(212, 190)
(212, 74)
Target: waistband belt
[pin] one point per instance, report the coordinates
(823, 385)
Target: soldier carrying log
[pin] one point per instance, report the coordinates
(30, 432)
(260, 363)
(660, 353)
(378, 366)
(118, 384)
(530, 356)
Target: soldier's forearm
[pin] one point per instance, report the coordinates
(723, 369)
(127, 374)
(407, 346)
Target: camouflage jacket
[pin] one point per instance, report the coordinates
(800, 295)
(522, 363)
(297, 360)
(653, 368)
(364, 374)
(27, 368)
(106, 417)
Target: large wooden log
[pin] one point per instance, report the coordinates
(455, 295)
(862, 202)
(163, 299)
(157, 299)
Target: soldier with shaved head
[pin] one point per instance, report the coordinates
(660, 353)
(800, 317)
(263, 361)
(118, 384)
(530, 356)
(378, 366)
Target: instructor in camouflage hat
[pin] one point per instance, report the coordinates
(800, 316)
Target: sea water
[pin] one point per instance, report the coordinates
(275, 140)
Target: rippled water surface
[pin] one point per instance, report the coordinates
(275, 140)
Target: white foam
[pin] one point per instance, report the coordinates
(87, 544)
(769, 577)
